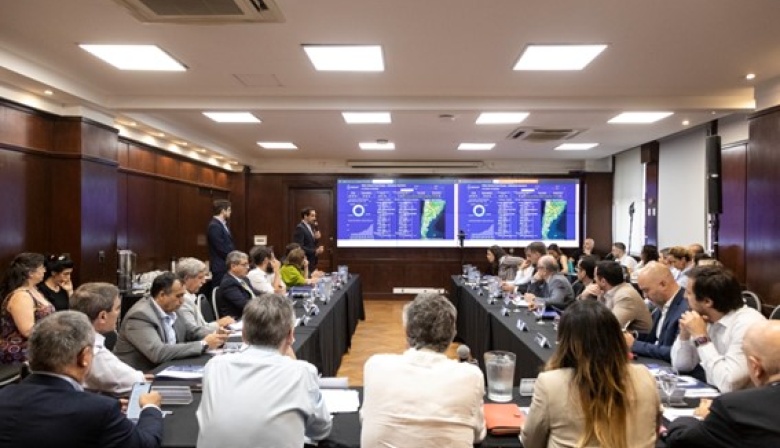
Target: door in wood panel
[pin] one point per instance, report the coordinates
(322, 201)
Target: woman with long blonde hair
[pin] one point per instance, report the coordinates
(590, 395)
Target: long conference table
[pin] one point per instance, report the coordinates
(481, 325)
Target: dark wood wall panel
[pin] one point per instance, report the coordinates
(140, 158)
(597, 206)
(24, 193)
(762, 232)
(25, 128)
(98, 221)
(731, 251)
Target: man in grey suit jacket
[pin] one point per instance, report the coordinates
(152, 333)
(619, 296)
(556, 289)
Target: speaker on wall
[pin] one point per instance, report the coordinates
(714, 184)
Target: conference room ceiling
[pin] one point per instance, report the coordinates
(446, 61)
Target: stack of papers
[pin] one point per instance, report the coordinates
(672, 414)
(174, 395)
(341, 400)
(182, 372)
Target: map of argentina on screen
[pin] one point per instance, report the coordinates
(411, 212)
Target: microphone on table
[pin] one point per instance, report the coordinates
(464, 354)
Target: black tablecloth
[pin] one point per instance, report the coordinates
(322, 342)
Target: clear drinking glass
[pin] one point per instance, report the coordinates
(668, 378)
(500, 369)
(541, 305)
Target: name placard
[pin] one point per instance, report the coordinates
(521, 325)
(541, 340)
(504, 311)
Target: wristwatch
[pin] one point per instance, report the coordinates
(701, 340)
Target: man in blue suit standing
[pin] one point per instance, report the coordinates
(307, 235)
(220, 240)
(657, 284)
(50, 409)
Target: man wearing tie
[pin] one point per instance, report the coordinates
(235, 291)
(307, 235)
(220, 240)
(657, 284)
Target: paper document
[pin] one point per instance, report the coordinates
(341, 400)
(334, 382)
(236, 326)
(183, 372)
(703, 392)
(672, 414)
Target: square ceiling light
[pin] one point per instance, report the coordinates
(278, 145)
(377, 146)
(367, 117)
(232, 117)
(558, 57)
(135, 57)
(576, 146)
(346, 58)
(639, 117)
(476, 146)
(501, 117)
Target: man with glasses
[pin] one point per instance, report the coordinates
(152, 333)
(555, 289)
(235, 291)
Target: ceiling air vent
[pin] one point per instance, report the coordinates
(204, 11)
(542, 135)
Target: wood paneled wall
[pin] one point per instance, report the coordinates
(731, 237)
(165, 204)
(382, 269)
(762, 232)
(70, 185)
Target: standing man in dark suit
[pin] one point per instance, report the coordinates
(745, 418)
(50, 408)
(657, 284)
(307, 235)
(220, 240)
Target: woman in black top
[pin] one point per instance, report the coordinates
(57, 287)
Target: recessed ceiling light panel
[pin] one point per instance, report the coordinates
(476, 146)
(135, 57)
(277, 145)
(576, 146)
(367, 117)
(639, 117)
(558, 57)
(501, 117)
(377, 146)
(347, 58)
(232, 117)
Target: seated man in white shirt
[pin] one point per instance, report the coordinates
(421, 398)
(101, 303)
(711, 333)
(262, 396)
(265, 278)
(619, 252)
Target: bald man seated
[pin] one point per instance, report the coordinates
(657, 284)
(745, 418)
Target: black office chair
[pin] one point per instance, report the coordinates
(110, 342)
(204, 307)
(775, 313)
(214, 302)
(9, 374)
(751, 299)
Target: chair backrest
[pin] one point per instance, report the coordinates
(204, 308)
(775, 313)
(214, 302)
(751, 299)
(9, 374)
(110, 342)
